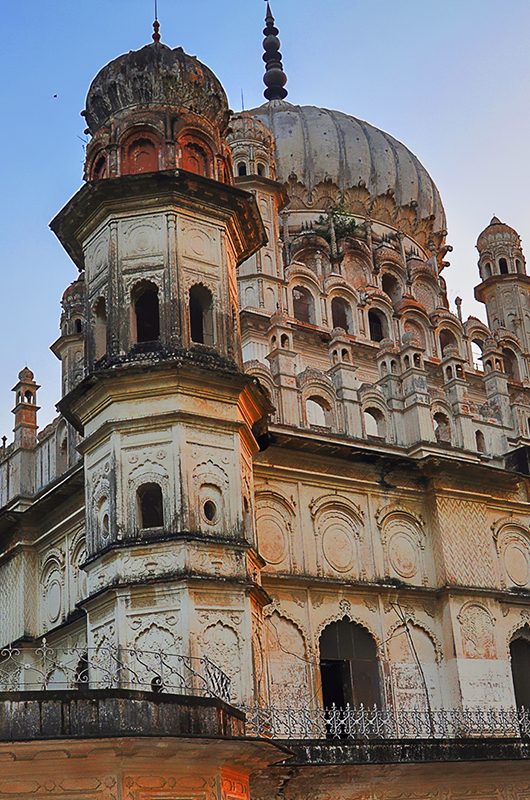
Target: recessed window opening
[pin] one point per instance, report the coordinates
(99, 170)
(150, 506)
(195, 159)
(519, 266)
(261, 170)
(241, 169)
(341, 314)
(378, 325)
(520, 663)
(349, 666)
(303, 305)
(147, 313)
(511, 367)
(391, 287)
(141, 156)
(503, 266)
(447, 339)
(442, 427)
(480, 441)
(201, 315)
(78, 326)
(487, 270)
(476, 354)
(29, 397)
(318, 412)
(374, 422)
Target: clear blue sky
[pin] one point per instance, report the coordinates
(450, 79)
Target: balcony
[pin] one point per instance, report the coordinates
(47, 668)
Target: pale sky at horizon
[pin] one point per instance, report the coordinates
(449, 79)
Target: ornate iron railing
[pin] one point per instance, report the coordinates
(375, 723)
(107, 667)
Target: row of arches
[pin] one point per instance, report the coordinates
(351, 669)
(142, 151)
(501, 266)
(145, 319)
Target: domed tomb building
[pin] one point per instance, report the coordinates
(276, 543)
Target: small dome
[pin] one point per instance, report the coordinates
(317, 145)
(26, 375)
(75, 292)
(155, 75)
(497, 230)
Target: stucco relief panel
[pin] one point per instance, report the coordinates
(142, 238)
(477, 628)
(337, 526)
(512, 542)
(97, 256)
(403, 539)
(275, 519)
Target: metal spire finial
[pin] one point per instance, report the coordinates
(156, 25)
(274, 78)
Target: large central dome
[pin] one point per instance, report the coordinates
(317, 146)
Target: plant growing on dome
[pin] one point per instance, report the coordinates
(338, 224)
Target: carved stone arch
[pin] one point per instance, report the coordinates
(210, 508)
(148, 472)
(317, 387)
(52, 583)
(276, 608)
(220, 641)
(275, 516)
(337, 527)
(346, 613)
(288, 660)
(477, 628)
(413, 620)
(439, 406)
(512, 543)
(420, 328)
(403, 538)
(299, 275)
(264, 376)
(521, 626)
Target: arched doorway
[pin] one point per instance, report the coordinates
(349, 667)
(520, 658)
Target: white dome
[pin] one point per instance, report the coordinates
(316, 145)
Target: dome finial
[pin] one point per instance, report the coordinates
(274, 78)
(156, 25)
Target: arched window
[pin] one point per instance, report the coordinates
(520, 659)
(146, 312)
(480, 441)
(99, 169)
(511, 366)
(477, 347)
(150, 506)
(195, 159)
(378, 325)
(447, 339)
(349, 667)
(140, 155)
(442, 428)
(503, 266)
(391, 287)
(341, 314)
(519, 266)
(241, 169)
(78, 326)
(374, 422)
(303, 305)
(100, 328)
(487, 270)
(318, 412)
(201, 315)
(262, 170)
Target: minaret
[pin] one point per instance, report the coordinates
(167, 413)
(70, 346)
(505, 286)
(25, 410)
